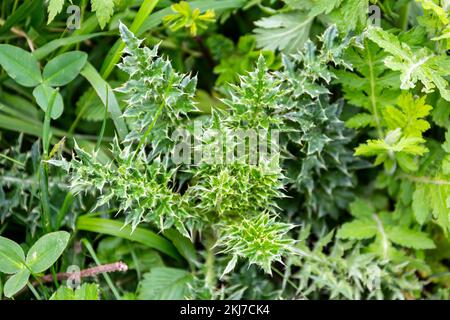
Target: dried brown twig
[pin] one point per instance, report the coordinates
(91, 272)
(21, 34)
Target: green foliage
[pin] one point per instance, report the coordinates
(87, 291)
(104, 9)
(344, 271)
(261, 240)
(41, 256)
(385, 229)
(185, 17)
(23, 67)
(158, 97)
(318, 162)
(404, 139)
(165, 284)
(236, 60)
(284, 31)
(371, 87)
(414, 65)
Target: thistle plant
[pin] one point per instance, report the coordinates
(317, 159)
(236, 200)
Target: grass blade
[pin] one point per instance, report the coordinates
(117, 229)
(100, 86)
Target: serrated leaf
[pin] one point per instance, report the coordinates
(358, 230)
(359, 121)
(164, 284)
(64, 68)
(414, 66)
(287, 32)
(12, 256)
(104, 9)
(54, 7)
(324, 7)
(408, 116)
(43, 95)
(20, 65)
(410, 238)
(44, 253)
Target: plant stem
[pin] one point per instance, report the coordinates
(210, 276)
(33, 290)
(105, 275)
(90, 272)
(404, 15)
(43, 169)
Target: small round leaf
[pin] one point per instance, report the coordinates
(12, 256)
(20, 65)
(64, 68)
(16, 282)
(44, 253)
(43, 94)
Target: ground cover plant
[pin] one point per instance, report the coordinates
(224, 149)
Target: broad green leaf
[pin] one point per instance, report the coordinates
(410, 238)
(117, 229)
(104, 9)
(12, 256)
(358, 230)
(54, 7)
(20, 65)
(105, 93)
(183, 245)
(87, 291)
(287, 32)
(164, 284)
(44, 253)
(16, 282)
(64, 68)
(43, 94)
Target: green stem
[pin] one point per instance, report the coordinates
(404, 15)
(43, 169)
(33, 290)
(102, 130)
(210, 277)
(105, 275)
(12, 160)
(46, 133)
(373, 96)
